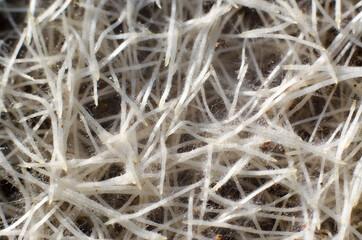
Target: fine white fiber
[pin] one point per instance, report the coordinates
(180, 119)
